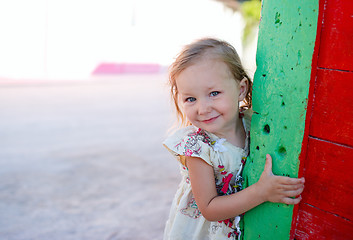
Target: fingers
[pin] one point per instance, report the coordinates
(268, 164)
(288, 188)
(294, 193)
(279, 188)
(291, 181)
(292, 201)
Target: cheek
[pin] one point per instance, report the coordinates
(231, 105)
(188, 111)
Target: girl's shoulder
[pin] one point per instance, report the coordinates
(189, 141)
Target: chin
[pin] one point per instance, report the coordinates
(210, 129)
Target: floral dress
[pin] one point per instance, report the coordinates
(185, 219)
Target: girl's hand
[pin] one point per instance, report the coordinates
(278, 188)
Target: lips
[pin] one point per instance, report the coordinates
(210, 120)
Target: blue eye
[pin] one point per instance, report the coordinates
(190, 99)
(215, 93)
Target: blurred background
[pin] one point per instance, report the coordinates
(49, 39)
(84, 108)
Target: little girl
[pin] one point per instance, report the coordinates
(207, 84)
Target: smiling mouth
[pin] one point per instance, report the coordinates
(210, 120)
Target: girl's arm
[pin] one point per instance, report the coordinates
(268, 188)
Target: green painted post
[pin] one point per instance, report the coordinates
(286, 42)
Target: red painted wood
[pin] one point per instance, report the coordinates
(328, 175)
(336, 46)
(332, 117)
(326, 159)
(122, 68)
(316, 224)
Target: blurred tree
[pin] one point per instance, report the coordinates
(250, 9)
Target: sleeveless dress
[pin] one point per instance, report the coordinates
(185, 220)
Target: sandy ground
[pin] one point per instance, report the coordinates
(84, 160)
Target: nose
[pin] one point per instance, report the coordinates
(204, 107)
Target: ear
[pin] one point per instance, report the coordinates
(243, 89)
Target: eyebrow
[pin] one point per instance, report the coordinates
(186, 96)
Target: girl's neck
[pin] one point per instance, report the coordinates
(236, 136)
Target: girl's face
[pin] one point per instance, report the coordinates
(209, 96)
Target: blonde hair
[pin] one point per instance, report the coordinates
(195, 51)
